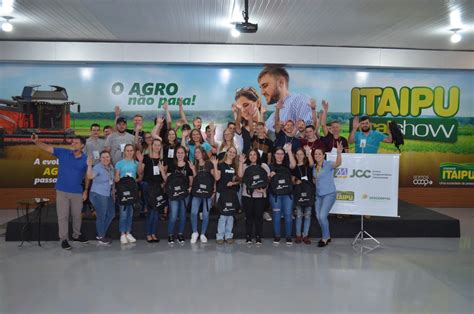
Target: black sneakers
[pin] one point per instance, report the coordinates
(170, 239)
(104, 240)
(180, 239)
(276, 240)
(80, 239)
(289, 241)
(65, 245)
(248, 239)
(258, 240)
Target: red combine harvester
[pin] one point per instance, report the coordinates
(44, 112)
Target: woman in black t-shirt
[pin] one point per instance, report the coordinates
(303, 172)
(170, 144)
(153, 170)
(227, 179)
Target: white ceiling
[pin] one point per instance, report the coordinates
(420, 24)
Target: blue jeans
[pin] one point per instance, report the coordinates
(105, 210)
(324, 204)
(177, 208)
(283, 203)
(224, 227)
(152, 217)
(126, 215)
(300, 213)
(143, 190)
(195, 205)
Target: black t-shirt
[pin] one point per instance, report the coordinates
(247, 140)
(169, 151)
(141, 135)
(303, 171)
(186, 170)
(276, 167)
(265, 145)
(149, 172)
(227, 175)
(282, 139)
(332, 142)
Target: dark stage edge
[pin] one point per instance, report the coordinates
(414, 221)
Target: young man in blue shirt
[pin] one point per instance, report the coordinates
(69, 191)
(367, 141)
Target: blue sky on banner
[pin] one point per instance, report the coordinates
(215, 86)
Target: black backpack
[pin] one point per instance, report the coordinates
(156, 197)
(126, 191)
(228, 203)
(397, 135)
(304, 194)
(280, 183)
(255, 177)
(203, 184)
(177, 186)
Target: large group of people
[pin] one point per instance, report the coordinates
(274, 169)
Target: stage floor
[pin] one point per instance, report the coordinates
(414, 221)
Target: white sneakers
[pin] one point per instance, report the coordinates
(267, 216)
(123, 239)
(127, 238)
(194, 237)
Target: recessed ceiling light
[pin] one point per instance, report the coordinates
(7, 26)
(455, 37)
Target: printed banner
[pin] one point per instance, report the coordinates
(367, 184)
(434, 108)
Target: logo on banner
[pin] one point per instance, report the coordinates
(341, 173)
(366, 196)
(452, 173)
(347, 196)
(422, 180)
(361, 173)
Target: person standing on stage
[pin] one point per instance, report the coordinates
(94, 144)
(274, 84)
(332, 132)
(323, 174)
(102, 176)
(69, 191)
(116, 142)
(367, 141)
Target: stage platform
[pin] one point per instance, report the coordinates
(414, 221)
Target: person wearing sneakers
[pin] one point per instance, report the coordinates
(177, 208)
(206, 169)
(102, 176)
(323, 173)
(281, 192)
(154, 172)
(253, 202)
(69, 191)
(127, 167)
(227, 179)
(303, 174)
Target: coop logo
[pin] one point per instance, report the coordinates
(361, 173)
(341, 173)
(422, 180)
(347, 196)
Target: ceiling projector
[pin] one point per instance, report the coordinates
(246, 27)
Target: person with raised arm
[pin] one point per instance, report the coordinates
(323, 174)
(367, 141)
(69, 191)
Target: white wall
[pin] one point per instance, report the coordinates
(18, 51)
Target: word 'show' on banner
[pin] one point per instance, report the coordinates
(367, 184)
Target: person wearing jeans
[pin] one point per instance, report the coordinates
(177, 211)
(323, 173)
(227, 179)
(154, 172)
(209, 167)
(282, 204)
(102, 176)
(127, 167)
(303, 174)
